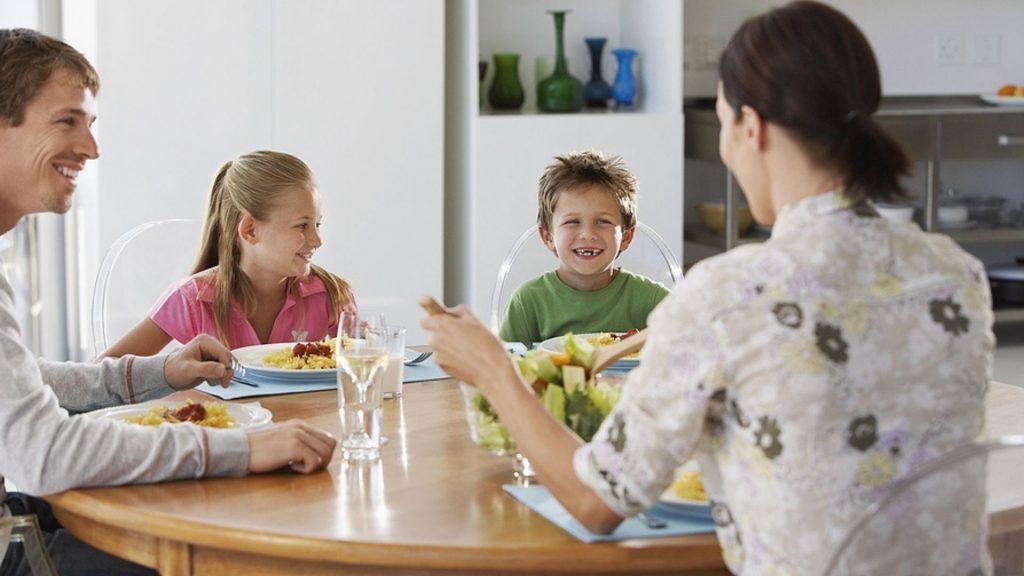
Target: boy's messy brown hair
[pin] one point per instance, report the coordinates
(580, 170)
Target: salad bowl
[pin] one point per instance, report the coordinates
(564, 387)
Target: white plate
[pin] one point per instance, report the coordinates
(689, 508)
(556, 345)
(251, 357)
(671, 504)
(244, 415)
(997, 100)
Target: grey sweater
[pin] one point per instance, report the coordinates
(44, 450)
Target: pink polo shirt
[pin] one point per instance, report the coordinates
(185, 310)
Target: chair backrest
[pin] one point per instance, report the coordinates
(24, 530)
(648, 255)
(909, 530)
(137, 268)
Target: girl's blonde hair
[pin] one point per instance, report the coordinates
(254, 184)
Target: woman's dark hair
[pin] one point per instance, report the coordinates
(807, 68)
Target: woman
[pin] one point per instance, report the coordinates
(807, 373)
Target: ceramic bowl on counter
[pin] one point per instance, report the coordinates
(986, 210)
(953, 215)
(1007, 283)
(712, 216)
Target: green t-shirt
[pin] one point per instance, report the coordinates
(545, 307)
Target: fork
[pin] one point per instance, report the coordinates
(651, 522)
(236, 368)
(420, 358)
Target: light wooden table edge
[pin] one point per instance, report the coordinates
(156, 544)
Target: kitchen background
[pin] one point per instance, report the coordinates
(380, 98)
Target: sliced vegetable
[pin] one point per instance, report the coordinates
(581, 351)
(573, 377)
(541, 364)
(553, 400)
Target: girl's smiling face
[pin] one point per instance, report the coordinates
(286, 241)
(586, 236)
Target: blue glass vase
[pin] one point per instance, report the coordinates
(597, 92)
(624, 89)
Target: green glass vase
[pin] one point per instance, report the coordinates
(506, 91)
(560, 92)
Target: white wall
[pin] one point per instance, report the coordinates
(905, 35)
(19, 14)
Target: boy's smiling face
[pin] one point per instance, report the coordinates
(586, 235)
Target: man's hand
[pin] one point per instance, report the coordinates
(204, 358)
(294, 444)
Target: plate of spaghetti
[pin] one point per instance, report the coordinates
(210, 414)
(304, 360)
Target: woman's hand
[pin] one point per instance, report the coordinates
(294, 444)
(465, 348)
(204, 358)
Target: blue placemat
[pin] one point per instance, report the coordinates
(423, 371)
(541, 501)
(269, 386)
(265, 388)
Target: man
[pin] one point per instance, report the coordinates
(47, 107)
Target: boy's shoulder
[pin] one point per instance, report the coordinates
(640, 282)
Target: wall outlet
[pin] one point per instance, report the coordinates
(950, 50)
(987, 49)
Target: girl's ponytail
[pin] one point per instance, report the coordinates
(208, 250)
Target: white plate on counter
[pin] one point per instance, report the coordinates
(997, 100)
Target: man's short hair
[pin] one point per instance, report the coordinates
(27, 60)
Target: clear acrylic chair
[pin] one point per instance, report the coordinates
(137, 268)
(904, 532)
(24, 531)
(648, 255)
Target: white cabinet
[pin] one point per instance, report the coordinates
(492, 197)
(356, 89)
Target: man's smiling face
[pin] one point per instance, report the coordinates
(40, 159)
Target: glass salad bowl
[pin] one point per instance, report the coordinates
(560, 381)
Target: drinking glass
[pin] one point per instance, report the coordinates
(395, 371)
(361, 353)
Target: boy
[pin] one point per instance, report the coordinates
(587, 217)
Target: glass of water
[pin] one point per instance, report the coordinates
(361, 353)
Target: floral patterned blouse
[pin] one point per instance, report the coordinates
(805, 375)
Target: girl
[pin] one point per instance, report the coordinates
(808, 374)
(253, 282)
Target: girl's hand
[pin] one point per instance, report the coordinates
(465, 348)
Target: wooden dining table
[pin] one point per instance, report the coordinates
(432, 504)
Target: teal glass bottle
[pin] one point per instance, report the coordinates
(560, 92)
(506, 91)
